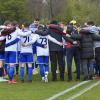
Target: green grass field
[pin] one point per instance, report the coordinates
(38, 90)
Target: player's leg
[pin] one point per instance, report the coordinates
(61, 65)
(41, 65)
(17, 65)
(1, 71)
(69, 58)
(30, 72)
(12, 62)
(35, 65)
(22, 59)
(22, 72)
(46, 65)
(5, 68)
(42, 71)
(53, 60)
(30, 62)
(11, 72)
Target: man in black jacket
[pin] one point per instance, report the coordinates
(56, 51)
(87, 37)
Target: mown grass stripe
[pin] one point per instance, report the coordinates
(67, 90)
(83, 91)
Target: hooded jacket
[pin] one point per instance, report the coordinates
(57, 32)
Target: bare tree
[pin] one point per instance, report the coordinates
(35, 8)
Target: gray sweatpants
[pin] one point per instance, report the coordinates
(87, 65)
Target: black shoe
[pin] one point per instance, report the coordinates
(54, 79)
(77, 79)
(90, 78)
(85, 78)
(69, 80)
(30, 81)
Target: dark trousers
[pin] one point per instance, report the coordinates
(57, 59)
(71, 53)
(88, 67)
(97, 58)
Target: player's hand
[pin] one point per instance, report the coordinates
(75, 43)
(67, 35)
(61, 44)
(45, 46)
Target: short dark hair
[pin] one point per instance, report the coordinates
(26, 23)
(37, 19)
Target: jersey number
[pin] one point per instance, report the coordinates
(26, 39)
(44, 41)
(9, 37)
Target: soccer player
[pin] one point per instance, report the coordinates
(26, 55)
(34, 27)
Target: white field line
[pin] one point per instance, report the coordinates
(67, 90)
(83, 91)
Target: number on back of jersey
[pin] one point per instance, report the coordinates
(26, 39)
(9, 37)
(43, 41)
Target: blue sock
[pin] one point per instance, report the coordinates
(42, 70)
(17, 68)
(46, 68)
(11, 72)
(22, 73)
(29, 73)
(8, 70)
(5, 67)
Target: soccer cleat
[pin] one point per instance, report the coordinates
(12, 82)
(46, 80)
(29, 81)
(43, 79)
(90, 77)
